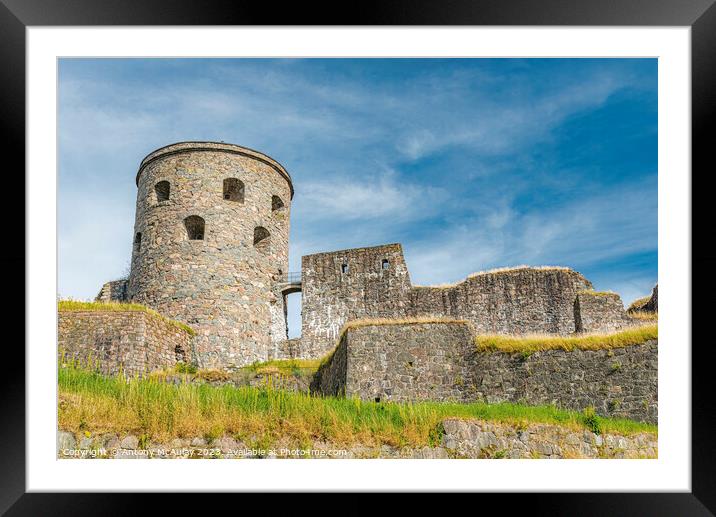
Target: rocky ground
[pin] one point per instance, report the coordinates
(298, 381)
(459, 439)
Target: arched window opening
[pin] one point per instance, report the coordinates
(344, 268)
(137, 241)
(261, 237)
(234, 190)
(276, 203)
(385, 264)
(162, 189)
(194, 228)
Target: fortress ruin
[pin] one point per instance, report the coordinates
(210, 250)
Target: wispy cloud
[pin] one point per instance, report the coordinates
(465, 162)
(385, 196)
(611, 223)
(495, 127)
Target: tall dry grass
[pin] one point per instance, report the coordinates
(80, 306)
(536, 343)
(263, 416)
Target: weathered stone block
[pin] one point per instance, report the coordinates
(568, 379)
(134, 341)
(600, 312)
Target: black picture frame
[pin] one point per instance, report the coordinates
(700, 15)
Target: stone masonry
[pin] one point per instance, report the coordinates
(374, 282)
(600, 312)
(343, 285)
(401, 362)
(653, 304)
(511, 301)
(478, 439)
(210, 241)
(439, 361)
(135, 341)
(491, 440)
(114, 291)
(210, 249)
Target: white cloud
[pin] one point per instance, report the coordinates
(371, 196)
(583, 233)
(345, 145)
(497, 128)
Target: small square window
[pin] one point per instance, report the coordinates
(344, 268)
(385, 264)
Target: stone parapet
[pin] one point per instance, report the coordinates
(135, 342)
(600, 312)
(513, 301)
(440, 361)
(114, 291)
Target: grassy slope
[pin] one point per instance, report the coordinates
(529, 344)
(72, 305)
(260, 416)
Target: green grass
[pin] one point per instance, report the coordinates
(531, 344)
(77, 306)
(99, 404)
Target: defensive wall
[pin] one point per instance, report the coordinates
(136, 342)
(647, 304)
(349, 284)
(599, 312)
(440, 361)
(114, 291)
(210, 249)
(374, 282)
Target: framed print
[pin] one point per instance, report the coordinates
(412, 247)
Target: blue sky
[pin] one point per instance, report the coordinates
(469, 163)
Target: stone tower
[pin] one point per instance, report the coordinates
(210, 244)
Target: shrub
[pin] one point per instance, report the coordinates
(185, 368)
(211, 375)
(436, 434)
(591, 420)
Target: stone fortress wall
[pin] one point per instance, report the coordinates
(440, 361)
(210, 241)
(349, 284)
(114, 291)
(135, 342)
(211, 250)
(510, 301)
(599, 312)
(375, 283)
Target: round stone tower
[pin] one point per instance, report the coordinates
(210, 245)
